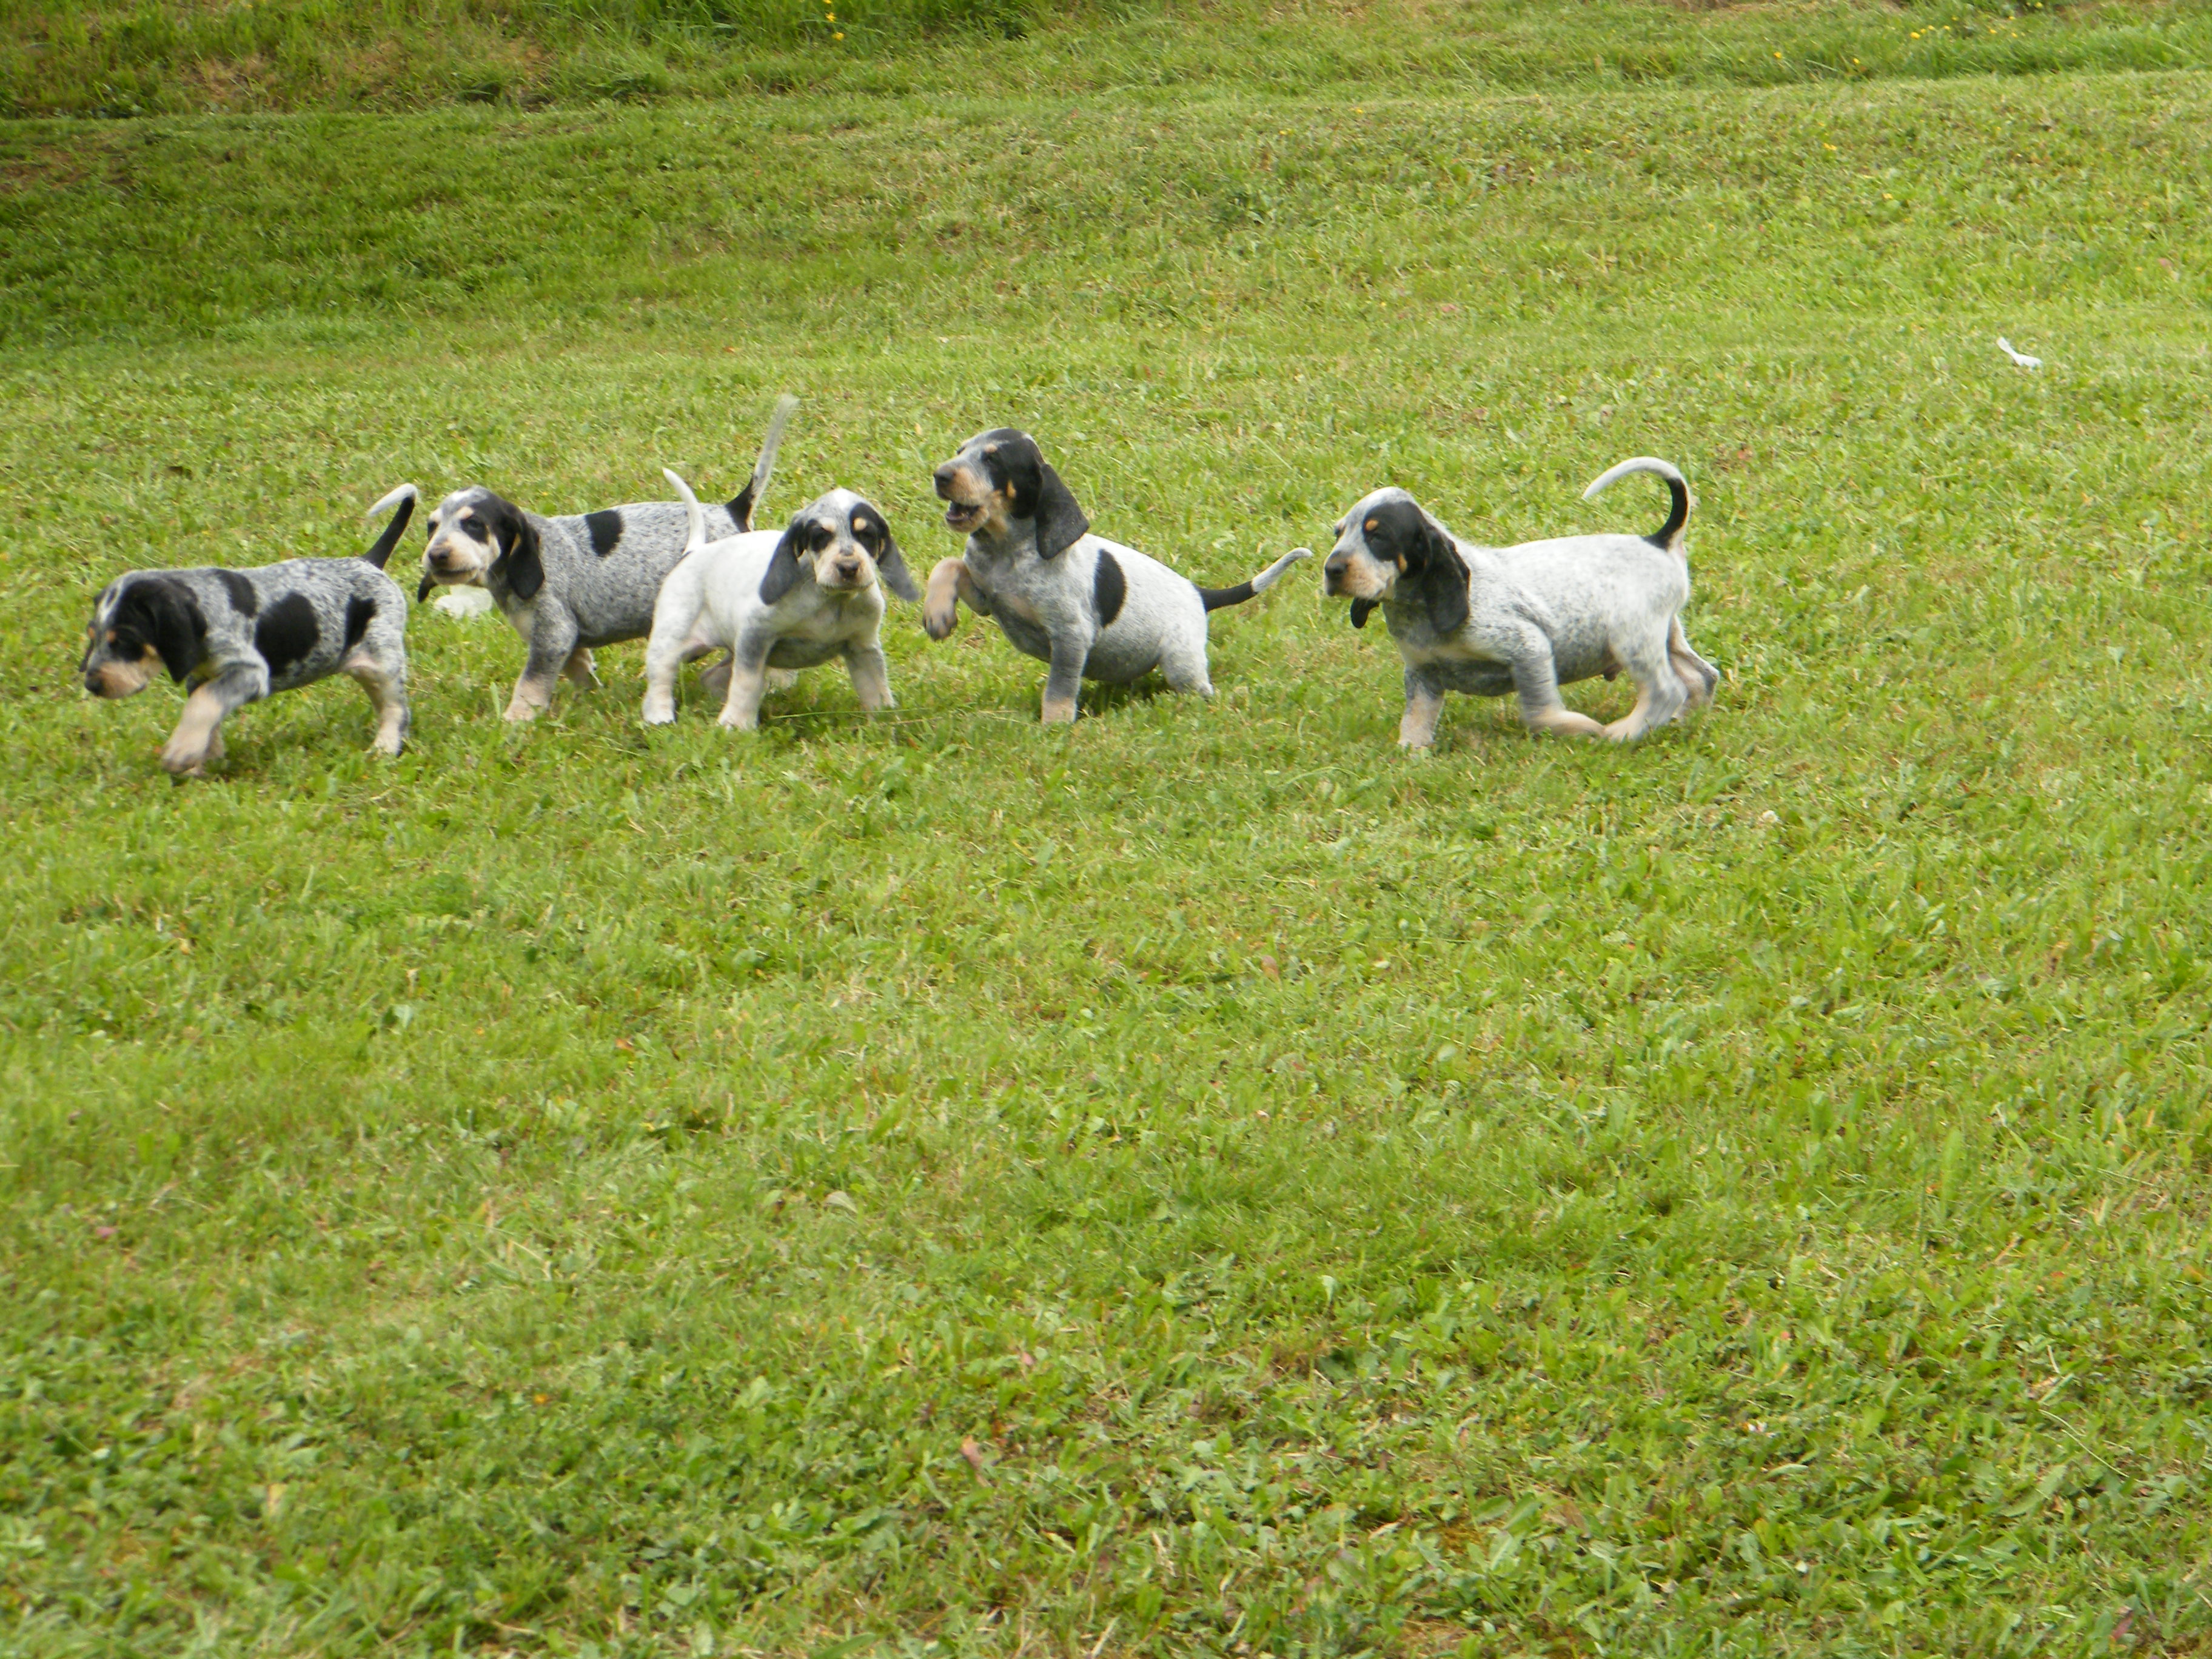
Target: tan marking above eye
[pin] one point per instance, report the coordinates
(860, 523)
(1370, 524)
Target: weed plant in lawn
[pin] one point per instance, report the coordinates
(1199, 1182)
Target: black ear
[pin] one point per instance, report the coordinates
(782, 573)
(891, 566)
(1040, 493)
(171, 619)
(1361, 610)
(422, 588)
(1060, 522)
(519, 559)
(1443, 577)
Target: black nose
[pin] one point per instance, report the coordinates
(849, 569)
(944, 477)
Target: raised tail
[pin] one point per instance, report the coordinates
(403, 499)
(694, 520)
(1669, 534)
(1214, 597)
(742, 504)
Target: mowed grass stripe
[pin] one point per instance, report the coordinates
(576, 1186)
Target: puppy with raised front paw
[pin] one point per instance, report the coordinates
(778, 602)
(1092, 609)
(234, 636)
(1530, 618)
(571, 584)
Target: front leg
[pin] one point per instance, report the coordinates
(1536, 680)
(578, 670)
(748, 684)
(950, 580)
(1417, 727)
(870, 674)
(552, 641)
(1071, 649)
(199, 736)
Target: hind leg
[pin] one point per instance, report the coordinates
(1699, 677)
(577, 671)
(1183, 667)
(382, 673)
(1660, 693)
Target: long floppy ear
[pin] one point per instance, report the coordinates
(422, 588)
(172, 623)
(1443, 579)
(1060, 522)
(891, 566)
(782, 573)
(519, 557)
(1040, 494)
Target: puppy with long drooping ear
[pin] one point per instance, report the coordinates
(778, 602)
(234, 636)
(1527, 619)
(573, 583)
(1094, 609)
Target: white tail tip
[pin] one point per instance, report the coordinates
(1612, 476)
(405, 493)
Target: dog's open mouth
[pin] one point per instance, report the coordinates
(963, 515)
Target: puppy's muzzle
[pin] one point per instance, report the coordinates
(1335, 574)
(958, 515)
(845, 575)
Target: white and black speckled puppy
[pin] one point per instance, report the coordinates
(1527, 619)
(778, 602)
(569, 584)
(1093, 609)
(237, 636)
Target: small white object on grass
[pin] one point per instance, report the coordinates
(463, 603)
(2020, 358)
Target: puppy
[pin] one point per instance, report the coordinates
(1527, 619)
(571, 583)
(777, 603)
(237, 636)
(1093, 609)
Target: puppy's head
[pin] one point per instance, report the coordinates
(842, 544)
(1387, 547)
(140, 624)
(474, 532)
(1001, 478)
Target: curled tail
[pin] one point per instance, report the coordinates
(694, 520)
(742, 504)
(1668, 535)
(1214, 597)
(403, 499)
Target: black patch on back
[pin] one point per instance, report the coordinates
(288, 634)
(243, 599)
(606, 528)
(358, 612)
(1108, 587)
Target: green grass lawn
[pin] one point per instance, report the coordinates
(1201, 1182)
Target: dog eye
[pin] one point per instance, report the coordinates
(474, 526)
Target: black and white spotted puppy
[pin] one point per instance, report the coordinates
(571, 583)
(1527, 619)
(236, 635)
(778, 602)
(1093, 609)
